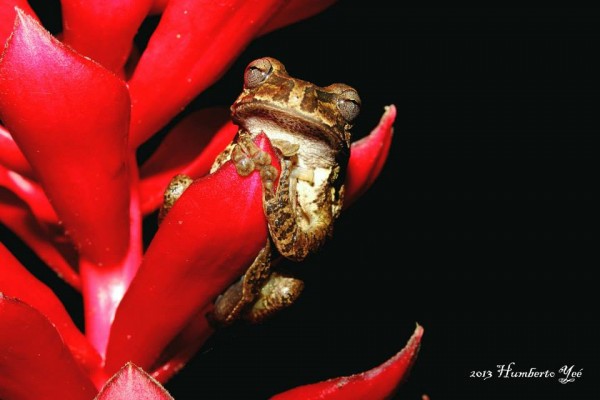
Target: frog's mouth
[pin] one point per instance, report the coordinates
(283, 124)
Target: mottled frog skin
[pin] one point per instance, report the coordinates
(309, 127)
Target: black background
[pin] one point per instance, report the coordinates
(481, 227)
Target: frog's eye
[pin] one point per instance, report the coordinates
(349, 104)
(257, 72)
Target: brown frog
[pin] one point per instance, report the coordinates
(309, 128)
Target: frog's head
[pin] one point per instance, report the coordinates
(271, 99)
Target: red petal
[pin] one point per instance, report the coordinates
(34, 362)
(70, 117)
(368, 156)
(31, 193)
(11, 156)
(379, 383)
(15, 215)
(192, 46)
(294, 11)
(197, 141)
(16, 281)
(132, 383)
(209, 237)
(103, 30)
(7, 16)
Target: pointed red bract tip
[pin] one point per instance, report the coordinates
(70, 117)
(34, 362)
(378, 383)
(7, 16)
(132, 383)
(368, 156)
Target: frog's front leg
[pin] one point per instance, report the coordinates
(173, 192)
(230, 306)
(295, 232)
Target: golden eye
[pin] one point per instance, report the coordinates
(257, 72)
(349, 104)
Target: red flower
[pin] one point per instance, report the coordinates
(72, 190)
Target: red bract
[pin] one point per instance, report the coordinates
(201, 262)
(34, 362)
(377, 384)
(72, 190)
(65, 111)
(16, 281)
(368, 156)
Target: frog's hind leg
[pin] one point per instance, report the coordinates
(235, 300)
(278, 292)
(258, 295)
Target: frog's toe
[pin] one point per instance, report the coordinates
(243, 163)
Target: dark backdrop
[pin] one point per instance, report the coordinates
(481, 226)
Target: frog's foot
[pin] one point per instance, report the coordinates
(277, 293)
(173, 192)
(247, 156)
(230, 306)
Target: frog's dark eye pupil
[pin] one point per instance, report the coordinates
(349, 105)
(257, 72)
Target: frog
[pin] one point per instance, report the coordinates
(309, 128)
